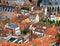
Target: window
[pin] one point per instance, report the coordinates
(50, 0)
(56, 0)
(52, 8)
(17, 31)
(50, 3)
(56, 3)
(48, 9)
(23, 0)
(58, 8)
(5, 9)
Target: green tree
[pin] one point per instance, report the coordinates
(44, 20)
(24, 32)
(57, 23)
(48, 20)
(38, 3)
(25, 8)
(51, 21)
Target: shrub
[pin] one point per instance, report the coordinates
(38, 3)
(25, 8)
(24, 32)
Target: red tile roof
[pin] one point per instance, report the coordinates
(3, 33)
(51, 31)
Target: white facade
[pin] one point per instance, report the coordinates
(45, 11)
(30, 27)
(37, 18)
(32, 8)
(52, 17)
(17, 31)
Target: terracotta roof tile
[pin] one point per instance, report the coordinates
(51, 31)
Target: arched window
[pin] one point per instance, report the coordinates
(48, 9)
(52, 8)
(50, 2)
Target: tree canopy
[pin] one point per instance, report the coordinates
(25, 8)
(38, 3)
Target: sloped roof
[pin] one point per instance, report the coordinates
(51, 31)
(5, 33)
